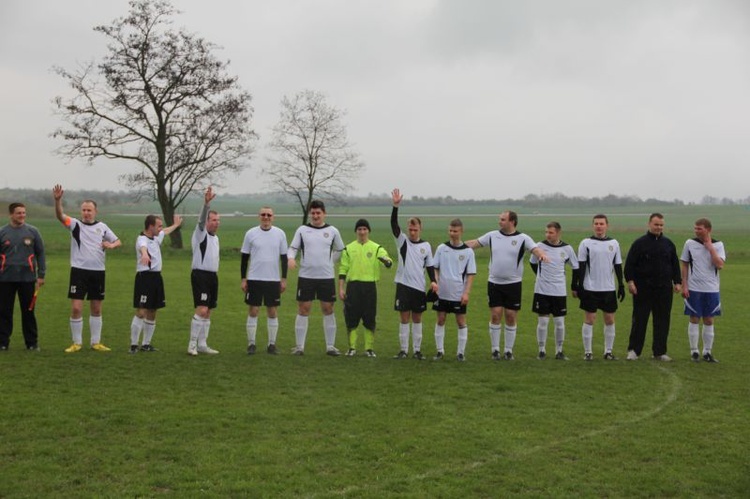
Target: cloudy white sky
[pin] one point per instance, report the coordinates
(469, 98)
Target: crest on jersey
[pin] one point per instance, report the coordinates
(421, 250)
(461, 258)
(325, 234)
(513, 243)
(369, 254)
(27, 241)
(611, 248)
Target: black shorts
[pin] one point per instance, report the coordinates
(205, 288)
(320, 289)
(261, 293)
(504, 295)
(86, 284)
(546, 305)
(591, 301)
(409, 299)
(148, 292)
(361, 304)
(449, 307)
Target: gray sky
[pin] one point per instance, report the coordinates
(469, 98)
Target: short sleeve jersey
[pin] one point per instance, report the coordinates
(550, 276)
(153, 246)
(455, 264)
(506, 255)
(265, 248)
(319, 247)
(205, 250)
(703, 276)
(86, 240)
(413, 258)
(599, 257)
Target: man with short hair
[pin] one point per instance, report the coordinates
(414, 258)
(504, 286)
(702, 258)
(22, 271)
(652, 272)
(600, 261)
(89, 240)
(148, 291)
(359, 272)
(264, 249)
(550, 288)
(320, 246)
(204, 276)
(455, 268)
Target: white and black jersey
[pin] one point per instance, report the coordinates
(86, 251)
(703, 276)
(550, 276)
(455, 264)
(264, 247)
(320, 248)
(413, 259)
(506, 255)
(598, 258)
(153, 246)
(205, 249)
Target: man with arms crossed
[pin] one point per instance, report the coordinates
(507, 249)
(264, 247)
(600, 261)
(702, 258)
(204, 277)
(550, 288)
(320, 246)
(89, 239)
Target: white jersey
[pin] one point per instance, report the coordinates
(205, 249)
(455, 264)
(598, 257)
(703, 276)
(265, 248)
(321, 247)
(550, 276)
(413, 258)
(506, 255)
(86, 240)
(153, 246)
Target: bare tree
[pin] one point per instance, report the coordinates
(313, 156)
(161, 99)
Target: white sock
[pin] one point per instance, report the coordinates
(495, 337)
(203, 334)
(76, 330)
(541, 332)
(136, 325)
(416, 336)
(440, 338)
(559, 332)
(195, 327)
(587, 332)
(708, 338)
(403, 336)
(510, 337)
(694, 332)
(95, 328)
(300, 330)
(251, 326)
(329, 328)
(273, 329)
(463, 335)
(609, 337)
(148, 331)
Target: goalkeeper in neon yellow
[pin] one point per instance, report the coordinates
(359, 272)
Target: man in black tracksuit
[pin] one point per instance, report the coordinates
(652, 272)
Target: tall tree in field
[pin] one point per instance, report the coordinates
(313, 156)
(161, 99)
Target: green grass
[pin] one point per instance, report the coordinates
(92, 424)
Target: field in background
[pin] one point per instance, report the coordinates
(113, 424)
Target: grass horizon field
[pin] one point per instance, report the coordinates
(92, 424)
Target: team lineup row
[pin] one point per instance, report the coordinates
(651, 270)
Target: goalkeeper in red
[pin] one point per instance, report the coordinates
(359, 272)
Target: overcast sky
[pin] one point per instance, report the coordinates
(469, 98)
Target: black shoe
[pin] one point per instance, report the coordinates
(3, 348)
(401, 355)
(496, 355)
(148, 348)
(460, 357)
(417, 355)
(371, 354)
(695, 357)
(609, 356)
(508, 356)
(560, 356)
(439, 356)
(133, 348)
(588, 357)
(709, 358)
(271, 349)
(542, 355)
(33, 348)
(251, 349)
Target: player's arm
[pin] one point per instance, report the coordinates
(620, 285)
(384, 257)
(716, 259)
(685, 267)
(57, 195)
(540, 254)
(396, 197)
(110, 245)
(174, 226)
(433, 278)
(467, 289)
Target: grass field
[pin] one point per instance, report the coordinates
(114, 424)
